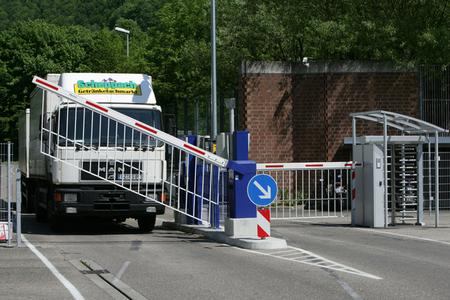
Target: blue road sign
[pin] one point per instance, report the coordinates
(262, 189)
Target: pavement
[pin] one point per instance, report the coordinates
(325, 259)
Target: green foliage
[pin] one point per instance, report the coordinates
(170, 39)
(36, 48)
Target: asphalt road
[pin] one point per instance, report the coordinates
(104, 261)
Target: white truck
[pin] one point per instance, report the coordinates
(56, 191)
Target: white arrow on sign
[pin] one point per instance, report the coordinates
(266, 193)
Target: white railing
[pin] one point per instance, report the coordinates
(309, 190)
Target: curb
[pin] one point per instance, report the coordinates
(219, 235)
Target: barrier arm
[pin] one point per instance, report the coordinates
(144, 128)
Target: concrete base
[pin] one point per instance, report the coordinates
(219, 235)
(241, 228)
(180, 218)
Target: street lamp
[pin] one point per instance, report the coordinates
(213, 72)
(127, 32)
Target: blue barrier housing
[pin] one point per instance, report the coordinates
(240, 205)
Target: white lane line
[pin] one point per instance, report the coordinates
(404, 235)
(68, 285)
(347, 288)
(314, 257)
(121, 271)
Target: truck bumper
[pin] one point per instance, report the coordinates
(104, 202)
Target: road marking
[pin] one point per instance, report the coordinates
(121, 271)
(312, 259)
(68, 285)
(347, 288)
(404, 235)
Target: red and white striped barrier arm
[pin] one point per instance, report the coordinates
(306, 166)
(116, 116)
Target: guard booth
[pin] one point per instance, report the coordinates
(387, 178)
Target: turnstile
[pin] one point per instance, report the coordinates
(404, 181)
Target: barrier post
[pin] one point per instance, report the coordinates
(18, 209)
(241, 220)
(194, 204)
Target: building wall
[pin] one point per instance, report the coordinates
(294, 113)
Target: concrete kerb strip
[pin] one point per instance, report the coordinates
(219, 235)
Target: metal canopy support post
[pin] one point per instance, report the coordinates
(419, 158)
(430, 190)
(385, 172)
(353, 169)
(436, 180)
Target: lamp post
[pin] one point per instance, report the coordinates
(127, 32)
(213, 72)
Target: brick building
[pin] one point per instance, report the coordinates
(296, 113)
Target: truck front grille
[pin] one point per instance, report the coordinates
(111, 206)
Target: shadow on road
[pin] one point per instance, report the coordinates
(82, 226)
(91, 227)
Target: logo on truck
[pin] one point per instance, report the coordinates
(107, 86)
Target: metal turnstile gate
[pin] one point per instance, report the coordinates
(403, 183)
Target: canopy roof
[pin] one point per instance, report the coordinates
(401, 122)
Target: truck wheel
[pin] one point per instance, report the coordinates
(147, 223)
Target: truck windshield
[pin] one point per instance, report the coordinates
(101, 131)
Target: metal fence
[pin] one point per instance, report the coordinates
(309, 190)
(435, 95)
(8, 190)
(444, 181)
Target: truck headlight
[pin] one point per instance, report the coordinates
(70, 197)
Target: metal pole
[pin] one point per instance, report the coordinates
(353, 169)
(385, 172)
(128, 45)
(27, 141)
(8, 188)
(231, 120)
(18, 209)
(436, 180)
(419, 149)
(430, 196)
(213, 72)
